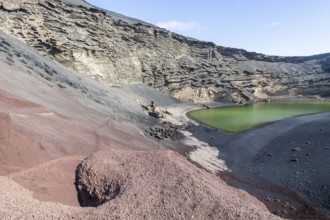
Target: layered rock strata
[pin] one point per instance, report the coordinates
(99, 44)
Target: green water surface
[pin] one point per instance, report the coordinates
(241, 118)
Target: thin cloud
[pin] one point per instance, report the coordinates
(177, 25)
(274, 24)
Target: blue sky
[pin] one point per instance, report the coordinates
(273, 27)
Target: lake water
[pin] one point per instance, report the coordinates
(242, 118)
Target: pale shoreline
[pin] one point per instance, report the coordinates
(243, 163)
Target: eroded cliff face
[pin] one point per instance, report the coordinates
(95, 43)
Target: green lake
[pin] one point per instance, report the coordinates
(242, 118)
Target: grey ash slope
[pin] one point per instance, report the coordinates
(119, 50)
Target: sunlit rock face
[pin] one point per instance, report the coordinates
(118, 50)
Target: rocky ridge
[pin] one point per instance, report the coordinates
(108, 180)
(118, 51)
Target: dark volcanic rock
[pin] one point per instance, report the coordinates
(97, 190)
(164, 130)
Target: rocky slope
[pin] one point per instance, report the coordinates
(111, 178)
(48, 112)
(118, 50)
(161, 193)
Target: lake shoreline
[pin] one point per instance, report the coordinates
(227, 155)
(243, 118)
(240, 151)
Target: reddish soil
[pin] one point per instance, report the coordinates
(45, 132)
(51, 181)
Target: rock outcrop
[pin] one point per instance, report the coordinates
(118, 51)
(10, 6)
(109, 179)
(164, 130)
(160, 194)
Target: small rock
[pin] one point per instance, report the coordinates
(9, 63)
(10, 59)
(47, 78)
(286, 204)
(11, 6)
(292, 208)
(296, 149)
(277, 212)
(23, 61)
(267, 199)
(294, 160)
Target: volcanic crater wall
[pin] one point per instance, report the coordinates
(92, 42)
